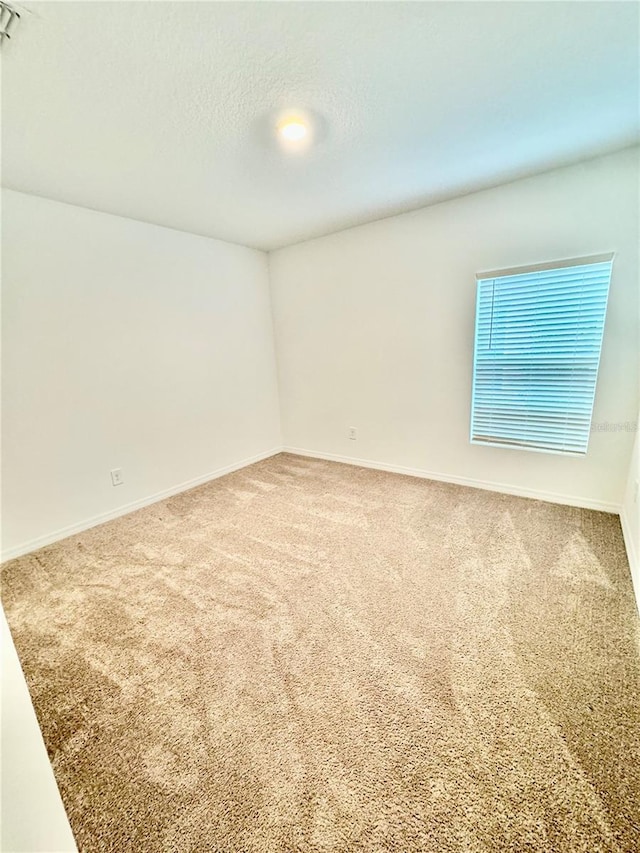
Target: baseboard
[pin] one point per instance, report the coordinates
(552, 497)
(632, 555)
(87, 523)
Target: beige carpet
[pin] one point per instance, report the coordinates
(307, 656)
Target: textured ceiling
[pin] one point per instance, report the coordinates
(161, 111)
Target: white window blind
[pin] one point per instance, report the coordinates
(537, 350)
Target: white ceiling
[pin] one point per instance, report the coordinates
(160, 111)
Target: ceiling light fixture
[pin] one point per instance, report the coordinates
(293, 130)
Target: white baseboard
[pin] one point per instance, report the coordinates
(85, 524)
(552, 497)
(632, 554)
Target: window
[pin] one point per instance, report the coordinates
(537, 350)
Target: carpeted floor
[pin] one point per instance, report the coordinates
(307, 656)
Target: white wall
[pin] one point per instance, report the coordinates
(630, 515)
(375, 325)
(31, 810)
(124, 345)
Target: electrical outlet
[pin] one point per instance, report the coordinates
(352, 432)
(116, 477)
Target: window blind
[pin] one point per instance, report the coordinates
(537, 350)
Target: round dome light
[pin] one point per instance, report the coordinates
(293, 130)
